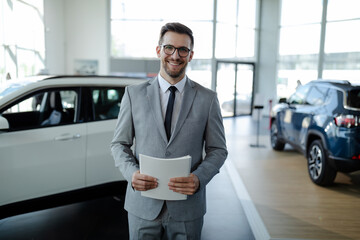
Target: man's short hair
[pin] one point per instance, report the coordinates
(178, 28)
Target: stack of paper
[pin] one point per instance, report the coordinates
(163, 169)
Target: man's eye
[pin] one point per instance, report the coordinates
(169, 47)
(185, 50)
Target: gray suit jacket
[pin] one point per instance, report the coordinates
(199, 129)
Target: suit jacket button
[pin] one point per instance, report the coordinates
(167, 154)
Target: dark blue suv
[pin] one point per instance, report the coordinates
(321, 120)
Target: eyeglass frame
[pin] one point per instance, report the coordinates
(176, 48)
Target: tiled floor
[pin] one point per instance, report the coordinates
(105, 218)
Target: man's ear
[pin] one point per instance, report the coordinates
(158, 49)
(191, 56)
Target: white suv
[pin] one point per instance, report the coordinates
(55, 134)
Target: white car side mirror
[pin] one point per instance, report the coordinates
(4, 124)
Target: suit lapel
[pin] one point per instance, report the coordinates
(188, 99)
(153, 95)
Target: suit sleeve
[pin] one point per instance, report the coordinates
(123, 140)
(215, 145)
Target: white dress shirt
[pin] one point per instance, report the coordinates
(164, 98)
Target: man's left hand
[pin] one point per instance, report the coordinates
(185, 185)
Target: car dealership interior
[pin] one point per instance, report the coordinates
(293, 164)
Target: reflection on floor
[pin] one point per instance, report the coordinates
(102, 218)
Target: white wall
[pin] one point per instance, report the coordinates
(54, 36)
(76, 30)
(265, 85)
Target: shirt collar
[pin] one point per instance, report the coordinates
(164, 85)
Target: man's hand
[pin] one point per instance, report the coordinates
(142, 182)
(185, 185)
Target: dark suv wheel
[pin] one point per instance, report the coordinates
(276, 144)
(321, 173)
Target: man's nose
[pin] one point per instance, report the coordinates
(176, 54)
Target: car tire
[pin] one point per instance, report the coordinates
(320, 171)
(276, 143)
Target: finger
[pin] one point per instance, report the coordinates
(142, 182)
(186, 191)
(137, 176)
(144, 177)
(182, 184)
(143, 186)
(181, 179)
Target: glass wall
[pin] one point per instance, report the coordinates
(342, 48)
(135, 30)
(299, 44)
(131, 25)
(301, 56)
(236, 29)
(22, 41)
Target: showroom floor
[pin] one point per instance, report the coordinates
(105, 218)
(284, 203)
(277, 200)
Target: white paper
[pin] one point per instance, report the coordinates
(163, 169)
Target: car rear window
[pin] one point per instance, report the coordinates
(353, 98)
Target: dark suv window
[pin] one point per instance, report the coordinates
(299, 97)
(316, 95)
(353, 98)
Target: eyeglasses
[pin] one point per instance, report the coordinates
(170, 49)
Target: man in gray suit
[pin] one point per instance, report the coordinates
(168, 117)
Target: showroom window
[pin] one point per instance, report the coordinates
(342, 48)
(323, 43)
(236, 29)
(299, 44)
(131, 25)
(22, 42)
(134, 31)
(129, 22)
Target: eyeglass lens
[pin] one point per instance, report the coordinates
(182, 51)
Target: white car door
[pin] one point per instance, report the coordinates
(100, 166)
(41, 159)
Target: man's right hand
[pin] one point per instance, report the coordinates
(142, 182)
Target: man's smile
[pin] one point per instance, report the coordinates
(174, 63)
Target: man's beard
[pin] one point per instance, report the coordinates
(173, 74)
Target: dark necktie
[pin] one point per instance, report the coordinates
(169, 110)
